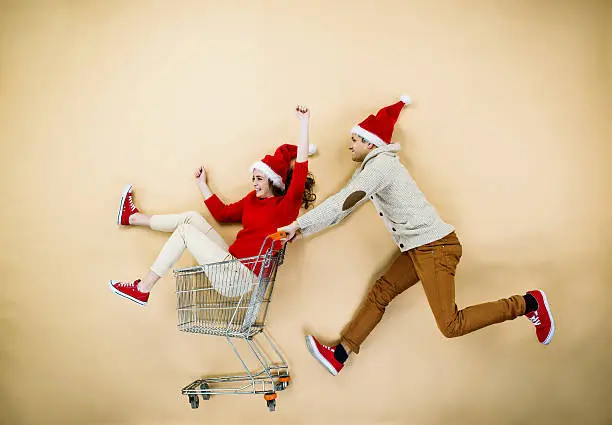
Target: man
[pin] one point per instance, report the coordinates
(429, 248)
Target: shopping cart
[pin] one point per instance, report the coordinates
(231, 299)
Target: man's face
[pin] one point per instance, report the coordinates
(359, 148)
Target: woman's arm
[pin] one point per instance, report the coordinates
(303, 114)
(200, 176)
(295, 191)
(223, 213)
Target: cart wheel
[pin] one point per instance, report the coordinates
(194, 401)
(280, 386)
(283, 383)
(271, 405)
(205, 387)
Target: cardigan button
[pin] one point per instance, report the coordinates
(393, 228)
(401, 245)
(381, 214)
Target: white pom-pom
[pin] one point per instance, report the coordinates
(312, 149)
(406, 99)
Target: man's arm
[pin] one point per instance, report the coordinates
(335, 208)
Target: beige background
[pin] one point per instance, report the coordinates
(507, 137)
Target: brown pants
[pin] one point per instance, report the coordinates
(434, 265)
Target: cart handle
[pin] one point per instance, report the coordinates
(278, 236)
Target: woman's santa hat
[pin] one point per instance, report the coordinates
(276, 166)
(378, 129)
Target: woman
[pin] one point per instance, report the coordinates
(278, 194)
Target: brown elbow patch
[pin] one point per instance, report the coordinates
(352, 200)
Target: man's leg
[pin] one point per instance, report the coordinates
(400, 276)
(435, 263)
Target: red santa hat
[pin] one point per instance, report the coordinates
(378, 129)
(276, 166)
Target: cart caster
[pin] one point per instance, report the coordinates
(271, 401)
(282, 383)
(194, 401)
(205, 387)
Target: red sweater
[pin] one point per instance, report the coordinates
(260, 217)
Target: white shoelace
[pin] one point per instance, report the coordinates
(131, 202)
(127, 284)
(329, 348)
(535, 319)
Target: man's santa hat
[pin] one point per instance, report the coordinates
(378, 129)
(276, 166)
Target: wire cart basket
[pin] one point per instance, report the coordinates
(231, 299)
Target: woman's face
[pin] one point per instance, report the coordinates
(261, 185)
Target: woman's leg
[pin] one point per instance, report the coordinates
(186, 236)
(169, 223)
(231, 278)
(140, 219)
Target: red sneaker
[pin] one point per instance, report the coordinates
(126, 207)
(324, 354)
(542, 318)
(130, 291)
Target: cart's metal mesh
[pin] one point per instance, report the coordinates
(228, 298)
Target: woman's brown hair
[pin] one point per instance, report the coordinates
(308, 197)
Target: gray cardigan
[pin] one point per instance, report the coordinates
(382, 179)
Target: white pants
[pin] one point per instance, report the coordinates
(190, 230)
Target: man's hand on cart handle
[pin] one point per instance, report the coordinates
(292, 231)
